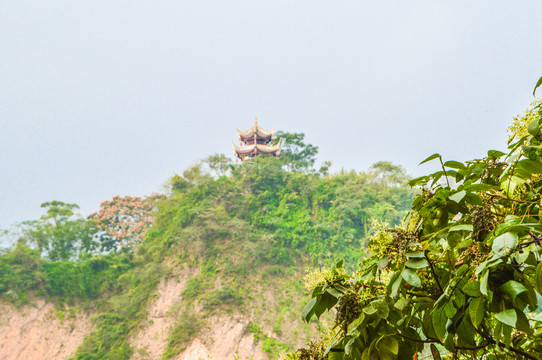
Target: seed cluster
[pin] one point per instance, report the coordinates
(483, 221)
(313, 351)
(398, 246)
(429, 286)
(348, 309)
(427, 195)
(473, 256)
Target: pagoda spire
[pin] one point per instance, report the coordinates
(256, 141)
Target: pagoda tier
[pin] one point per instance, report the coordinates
(256, 134)
(256, 141)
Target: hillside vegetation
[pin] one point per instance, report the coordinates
(236, 239)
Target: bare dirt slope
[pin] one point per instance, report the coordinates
(221, 335)
(225, 337)
(40, 332)
(150, 342)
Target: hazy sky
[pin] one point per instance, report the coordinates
(99, 98)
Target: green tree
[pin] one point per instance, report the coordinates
(218, 164)
(60, 234)
(460, 279)
(295, 153)
(388, 174)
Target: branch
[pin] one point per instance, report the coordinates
(428, 340)
(473, 348)
(517, 351)
(444, 170)
(491, 341)
(433, 272)
(510, 199)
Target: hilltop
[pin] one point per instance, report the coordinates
(218, 275)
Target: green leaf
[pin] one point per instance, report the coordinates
(427, 325)
(476, 311)
(472, 289)
(537, 85)
(308, 310)
(473, 199)
(388, 343)
(481, 187)
(396, 286)
(435, 352)
(382, 308)
(508, 317)
(463, 227)
(333, 292)
(484, 282)
(510, 183)
(349, 345)
(354, 324)
(439, 320)
(450, 310)
(458, 196)
(513, 288)
(449, 343)
(415, 254)
(495, 154)
(454, 164)
(401, 304)
(336, 355)
(466, 332)
(434, 156)
(417, 263)
(515, 319)
(325, 302)
(526, 168)
(505, 242)
(382, 263)
(522, 323)
(417, 180)
(410, 277)
(538, 278)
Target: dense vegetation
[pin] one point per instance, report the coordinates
(219, 222)
(461, 278)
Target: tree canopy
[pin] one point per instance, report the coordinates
(60, 233)
(295, 154)
(461, 278)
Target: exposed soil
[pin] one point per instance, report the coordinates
(40, 332)
(150, 341)
(224, 337)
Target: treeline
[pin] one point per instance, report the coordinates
(324, 216)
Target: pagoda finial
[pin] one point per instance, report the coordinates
(256, 120)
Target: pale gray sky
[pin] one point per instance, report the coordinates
(99, 98)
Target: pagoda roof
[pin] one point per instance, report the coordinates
(256, 130)
(266, 149)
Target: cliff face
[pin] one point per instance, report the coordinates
(177, 327)
(40, 331)
(43, 332)
(223, 336)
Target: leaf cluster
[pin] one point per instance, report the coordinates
(462, 278)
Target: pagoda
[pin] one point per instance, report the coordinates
(256, 141)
